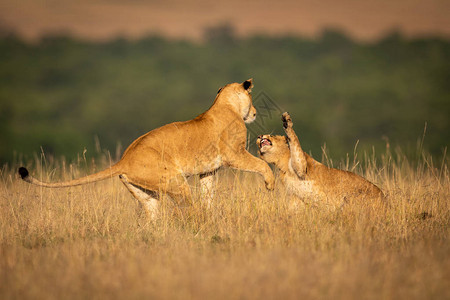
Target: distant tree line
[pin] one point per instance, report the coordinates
(65, 95)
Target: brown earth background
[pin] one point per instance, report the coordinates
(107, 19)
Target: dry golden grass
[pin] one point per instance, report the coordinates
(90, 242)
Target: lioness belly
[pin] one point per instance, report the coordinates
(201, 165)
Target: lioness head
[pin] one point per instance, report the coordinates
(272, 148)
(238, 95)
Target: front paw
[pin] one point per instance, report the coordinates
(287, 121)
(270, 185)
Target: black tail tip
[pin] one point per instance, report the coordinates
(23, 172)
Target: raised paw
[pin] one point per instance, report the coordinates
(287, 121)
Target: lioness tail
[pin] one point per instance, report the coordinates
(105, 174)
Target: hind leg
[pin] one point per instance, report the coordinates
(146, 198)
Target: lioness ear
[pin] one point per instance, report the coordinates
(248, 85)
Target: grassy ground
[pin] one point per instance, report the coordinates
(91, 242)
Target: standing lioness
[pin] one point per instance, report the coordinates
(161, 160)
(307, 178)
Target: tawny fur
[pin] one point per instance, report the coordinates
(307, 178)
(161, 160)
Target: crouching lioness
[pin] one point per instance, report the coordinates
(307, 178)
(161, 160)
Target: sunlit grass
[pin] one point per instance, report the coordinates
(92, 242)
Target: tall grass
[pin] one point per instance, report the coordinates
(91, 241)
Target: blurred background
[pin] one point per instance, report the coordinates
(80, 76)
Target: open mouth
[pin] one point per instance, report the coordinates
(265, 142)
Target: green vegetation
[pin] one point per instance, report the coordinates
(64, 95)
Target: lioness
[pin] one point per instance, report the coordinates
(307, 178)
(161, 160)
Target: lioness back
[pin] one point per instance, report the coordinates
(179, 147)
(333, 181)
